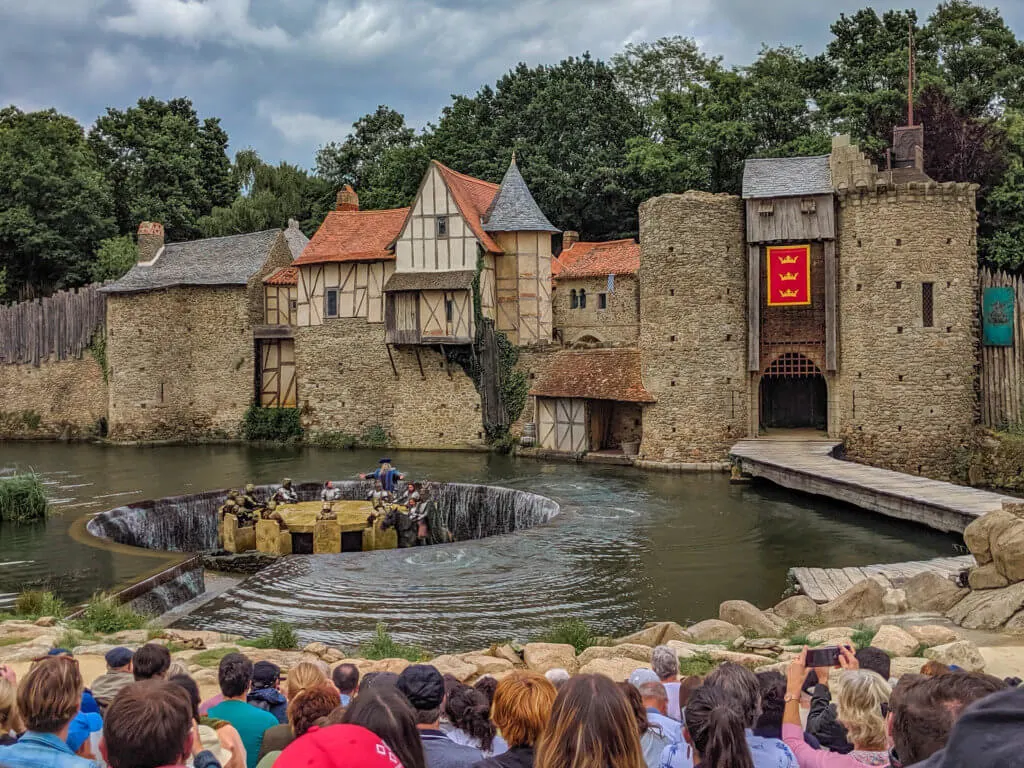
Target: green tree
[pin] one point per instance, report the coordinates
(1001, 226)
(55, 205)
(114, 258)
(163, 165)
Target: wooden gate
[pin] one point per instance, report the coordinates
(794, 394)
(277, 373)
(562, 424)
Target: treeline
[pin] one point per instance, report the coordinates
(593, 139)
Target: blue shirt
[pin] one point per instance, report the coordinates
(767, 753)
(41, 750)
(250, 722)
(671, 729)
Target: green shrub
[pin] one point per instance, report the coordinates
(22, 498)
(211, 657)
(374, 437)
(383, 646)
(800, 640)
(862, 637)
(336, 439)
(5, 641)
(282, 637)
(104, 615)
(699, 664)
(281, 425)
(574, 632)
(31, 604)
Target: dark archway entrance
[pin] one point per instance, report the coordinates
(794, 394)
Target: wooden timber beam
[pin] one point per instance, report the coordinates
(392, 359)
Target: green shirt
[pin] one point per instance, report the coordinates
(250, 722)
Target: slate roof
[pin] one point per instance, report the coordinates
(354, 236)
(514, 209)
(614, 257)
(230, 260)
(297, 240)
(786, 177)
(431, 281)
(283, 276)
(473, 198)
(595, 374)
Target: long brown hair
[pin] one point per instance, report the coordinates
(387, 713)
(592, 726)
(715, 726)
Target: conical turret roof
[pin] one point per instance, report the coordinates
(514, 209)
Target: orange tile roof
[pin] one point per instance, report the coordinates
(355, 236)
(595, 374)
(474, 198)
(283, 276)
(614, 257)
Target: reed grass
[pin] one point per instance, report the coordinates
(22, 499)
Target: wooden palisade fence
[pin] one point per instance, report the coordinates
(1002, 368)
(61, 326)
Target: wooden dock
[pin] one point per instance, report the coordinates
(824, 584)
(810, 466)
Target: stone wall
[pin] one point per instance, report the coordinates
(905, 395)
(534, 361)
(280, 256)
(616, 325)
(998, 461)
(693, 338)
(57, 398)
(181, 362)
(346, 384)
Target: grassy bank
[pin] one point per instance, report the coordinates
(22, 499)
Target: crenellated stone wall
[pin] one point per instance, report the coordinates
(57, 398)
(618, 324)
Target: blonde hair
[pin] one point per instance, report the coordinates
(522, 707)
(859, 708)
(177, 669)
(304, 675)
(51, 694)
(10, 720)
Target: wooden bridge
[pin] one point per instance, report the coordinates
(824, 584)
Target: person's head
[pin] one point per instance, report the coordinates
(304, 675)
(469, 711)
(714, 727)
(557, 677)
(487, 685)
(654, 696)
(148, 724)
(151, 661)
(686, 688)
(592, 725)
(118, 659)
(988, 734)
(423, 686)
(346, 678)
(265, 674)
(50, 694)
(387, 713)
(740, 685)
(250, 488)
(522, 707)
(411, 487)
(935, 668)
(665, 663)
(287, 483)
(191, 688)
(378, 680)
(10, 720)
(876, 660)
(636, 706)
(328, 485)
(340, 746)
(234, 675)
(859, 708)
(310, 705)
(924, 710)
(773, 700)
(378, 485)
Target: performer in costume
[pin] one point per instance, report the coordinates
(387, 475)
(286, 494)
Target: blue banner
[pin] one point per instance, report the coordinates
(997, 317)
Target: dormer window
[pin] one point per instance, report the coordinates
(442, 226)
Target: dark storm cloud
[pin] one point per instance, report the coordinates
(288, 75)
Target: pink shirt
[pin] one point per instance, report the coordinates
(808, 757)
(211, 702)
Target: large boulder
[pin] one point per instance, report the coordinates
(830, 636)
(641, 653)
(1008, 552)
(487, 665)
(932, 634)
(654, 634)
(797, 608)
(508, 653)
(687, 650)
(384, 665)
(714, 631)
(988, 609)
(749, 617)
(895, 641)
(749, 660)
(905, 665)
(980, 534)
(618, 669)
(930, 592)
(1015, 625)
(859, 601)
(987, 577)
(459, 668)
(962, 653)
(894, 602)
(540, 657)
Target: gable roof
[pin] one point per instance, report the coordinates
(231, 260)
(596, 374)
(283, 276)
(354, 236)
(297, 240)
(614, 257)
(513, 208)
(473, 198)
(787, 177)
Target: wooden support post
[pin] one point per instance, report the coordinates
(753, 308)
(444, 357)
(419, 362)
(831, 328)
(391, 359)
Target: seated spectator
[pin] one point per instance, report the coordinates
(150, 725)
(48, 699)
(821, 721)
(234, 677)
(378, 680)
(655, 701)
(151, 661)
(340, 746)
(665, 663)
(83, 727)
(653, 740)
(686, 689)
(557, 677)
(924, 711)
(217, 736)
(469, 713)
(385, 712)
(935, 668)
(487, 685)
(592, 724)
(715, 729)
(304, 711)
(346, 680)
(305, 674)
(773, 696)
(522, 707)
(423, 686)
(11, 725)
(265, 692)
(118, 675)
(89, 703)
(989, 734)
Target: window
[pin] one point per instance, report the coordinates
(602, 301)
(293, 307)
(927, 304)
(331, 302)
(449, 310)
(442, 226)
(583, 299)
(574, 300)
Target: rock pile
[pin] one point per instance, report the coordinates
(996, 598)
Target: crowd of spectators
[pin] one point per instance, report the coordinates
(145, 712)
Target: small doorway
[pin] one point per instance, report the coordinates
(794, 394)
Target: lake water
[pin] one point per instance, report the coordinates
(628, 547)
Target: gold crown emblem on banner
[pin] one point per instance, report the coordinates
(789, 294)
(788, 259)
(788, 276)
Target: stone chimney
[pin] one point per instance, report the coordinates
(568, 238)
(908, 147)
(150, 241)
(348, 200)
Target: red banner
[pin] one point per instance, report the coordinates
(789, 275)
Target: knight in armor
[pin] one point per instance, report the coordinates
(330, 493)
(286, 494)
(270, 512)
(248, 499)
(388, 475)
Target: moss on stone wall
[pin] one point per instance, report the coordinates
(997, 461)
(279, 425)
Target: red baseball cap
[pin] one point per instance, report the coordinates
(338, 746)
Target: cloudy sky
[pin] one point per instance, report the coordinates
(287, 75)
